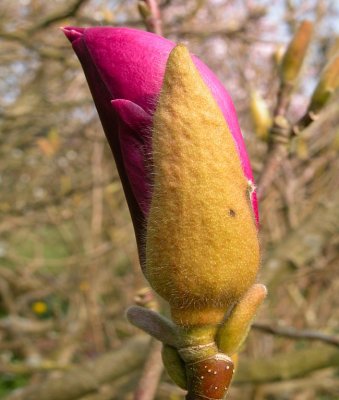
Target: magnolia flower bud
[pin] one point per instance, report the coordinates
(296, 53)
(125, 69)
(261, 115)
(328, 83)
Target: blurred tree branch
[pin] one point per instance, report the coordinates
(81, 380)
(292, 365)
(292, 333)
(88, 378)
(70, 10)
(305, 243)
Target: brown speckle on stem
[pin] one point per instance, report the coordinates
(209, 378)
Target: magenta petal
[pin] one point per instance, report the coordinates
(134, 122)
(132, 114)
(72, 34)
(110, 122)
(131, 63)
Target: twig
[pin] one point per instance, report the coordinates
(15, 323)
(7, 297)
(58, 199)
(185, 18)
(95, 237)
(297, 334)
(238, 29)
(280, 134)
(294, 364)
(69, 11)
(281, 131)
(295, 249)
(151, 374)
(27, 369)
(322, 381)
(88, 378)
(150, 12)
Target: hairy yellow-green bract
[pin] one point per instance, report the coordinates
(202, 250)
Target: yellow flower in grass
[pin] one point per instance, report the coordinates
(39, 307)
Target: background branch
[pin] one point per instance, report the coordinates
(296, 334)
(81, 380)
(151, 373)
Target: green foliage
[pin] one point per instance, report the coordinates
(9, 382)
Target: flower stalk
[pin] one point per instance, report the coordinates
(150, 13)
